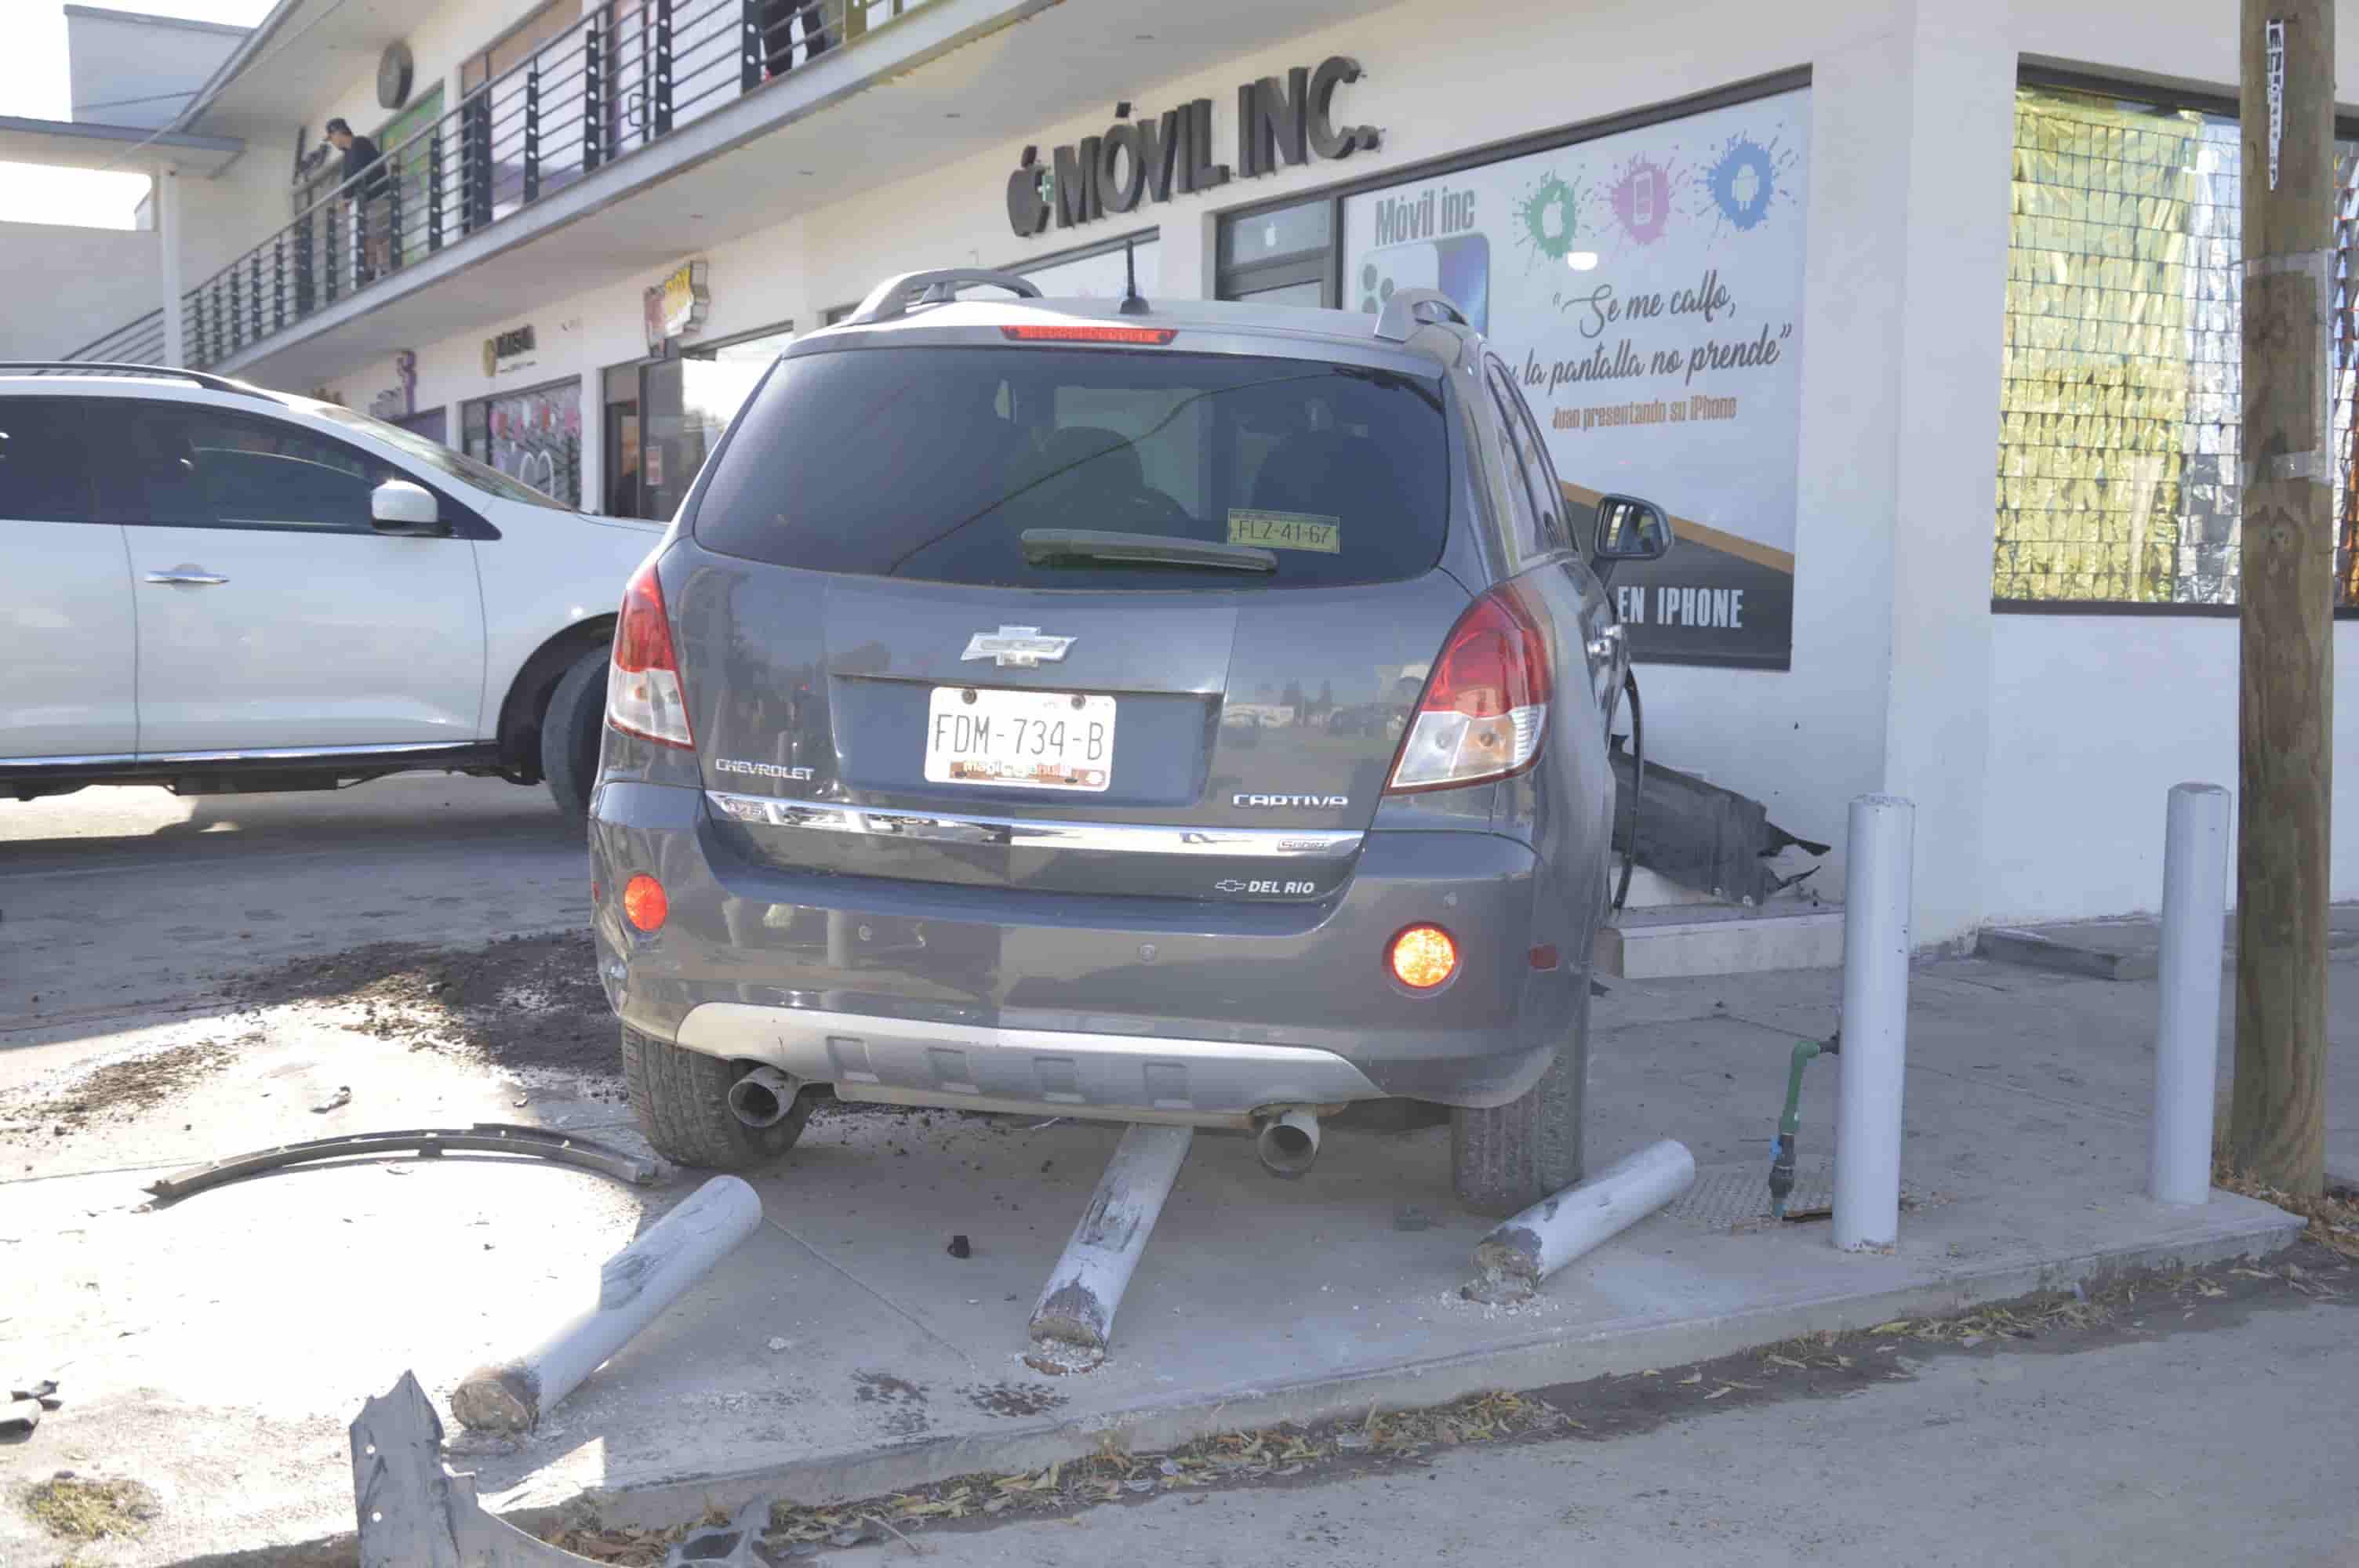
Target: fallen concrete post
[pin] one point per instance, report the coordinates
(1521, 1252)
(2187, 1044)
(634, 1286)
(1074, 1321)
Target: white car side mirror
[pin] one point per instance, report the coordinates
(398, 506)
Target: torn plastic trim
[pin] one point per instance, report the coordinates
(431, 1143)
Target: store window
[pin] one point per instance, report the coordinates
(664, 417)
(533, 436)
(2121, 399)
(1283, 256)
(1101, 272)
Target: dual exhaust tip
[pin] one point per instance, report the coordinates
(763, 1097)
(1286, 1142)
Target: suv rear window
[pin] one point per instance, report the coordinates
(933, 463)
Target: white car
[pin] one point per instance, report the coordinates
(224, 590)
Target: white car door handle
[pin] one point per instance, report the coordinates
(1602, 647)
(188, 576)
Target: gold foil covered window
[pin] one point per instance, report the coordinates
(2120, 403)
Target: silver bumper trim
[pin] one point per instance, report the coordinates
(1032, 833)
(979, 1068)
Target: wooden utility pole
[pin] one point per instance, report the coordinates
(2277, 1125)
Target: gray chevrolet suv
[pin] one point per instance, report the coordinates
(1189, 712)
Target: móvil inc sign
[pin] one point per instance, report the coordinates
(1150, 158)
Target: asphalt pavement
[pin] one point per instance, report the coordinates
(125, 905)
(2219, 1445)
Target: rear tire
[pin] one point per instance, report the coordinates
(681, 1100)
(571, 728)
(1506, 1159)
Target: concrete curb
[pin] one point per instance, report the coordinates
(1628, 1345)
(2231, 1227)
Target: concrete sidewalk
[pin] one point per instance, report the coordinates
(217, 1348)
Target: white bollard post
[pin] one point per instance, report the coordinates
(1074, 1320)
(1521, 1252)
(634, 1286)
(2187, 1045)
(1879, 852)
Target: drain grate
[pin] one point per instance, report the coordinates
(1724, 1195)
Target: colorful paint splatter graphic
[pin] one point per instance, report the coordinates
(1641, 197)
(1745, 182)
(1550, 217)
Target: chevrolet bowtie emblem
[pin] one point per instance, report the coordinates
(1018, 647)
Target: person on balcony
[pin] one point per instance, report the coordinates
(778, 18)
(364, 187)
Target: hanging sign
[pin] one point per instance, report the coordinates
(512, 349)
(677, 306)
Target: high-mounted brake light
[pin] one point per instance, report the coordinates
(1080, 334)
(644, 697)
(1485, 704)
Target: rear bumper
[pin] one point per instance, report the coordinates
(1145, 1008)
(982, 1067)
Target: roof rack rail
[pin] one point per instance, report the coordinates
(112, 367)
(892, 299)
(1410, 309)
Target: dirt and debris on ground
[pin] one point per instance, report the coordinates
(116, 1089)
(83, 1508)
(521, 1001)
(1824, 1366)
(2333, 1214)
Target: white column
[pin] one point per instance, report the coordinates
(167, 252)
(2187, 1047)
(1959, 134)
(1875, 1056)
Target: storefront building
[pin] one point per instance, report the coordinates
(1920, 319)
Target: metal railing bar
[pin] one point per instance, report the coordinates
(463, 171)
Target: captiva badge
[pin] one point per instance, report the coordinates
(1017, 647)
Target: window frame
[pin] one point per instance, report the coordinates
(70, 427)
(2162, 97)
(461, 519)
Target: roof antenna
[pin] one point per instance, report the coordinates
(1132, 305)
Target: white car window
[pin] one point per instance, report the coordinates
(43, 477)
(450, 464)
(191, 464)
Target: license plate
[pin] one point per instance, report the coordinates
(1027, 740)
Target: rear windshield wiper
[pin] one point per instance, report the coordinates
(1054, 547)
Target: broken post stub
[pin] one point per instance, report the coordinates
(635, 1285)
(414, 1513)
(1074, 1321)
(1519, 1253)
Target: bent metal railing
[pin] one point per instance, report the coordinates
(622, 77)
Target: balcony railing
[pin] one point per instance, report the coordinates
(625, 77)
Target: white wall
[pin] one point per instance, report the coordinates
(2093, 717)
(90, 280)
(2034, 773)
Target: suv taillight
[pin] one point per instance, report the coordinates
(644, 697)
(1485, 704)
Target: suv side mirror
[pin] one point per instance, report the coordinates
(1629, 529)
(399, 507)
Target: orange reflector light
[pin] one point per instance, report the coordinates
(644, 903)
(1080, 334)
(1423, 957)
